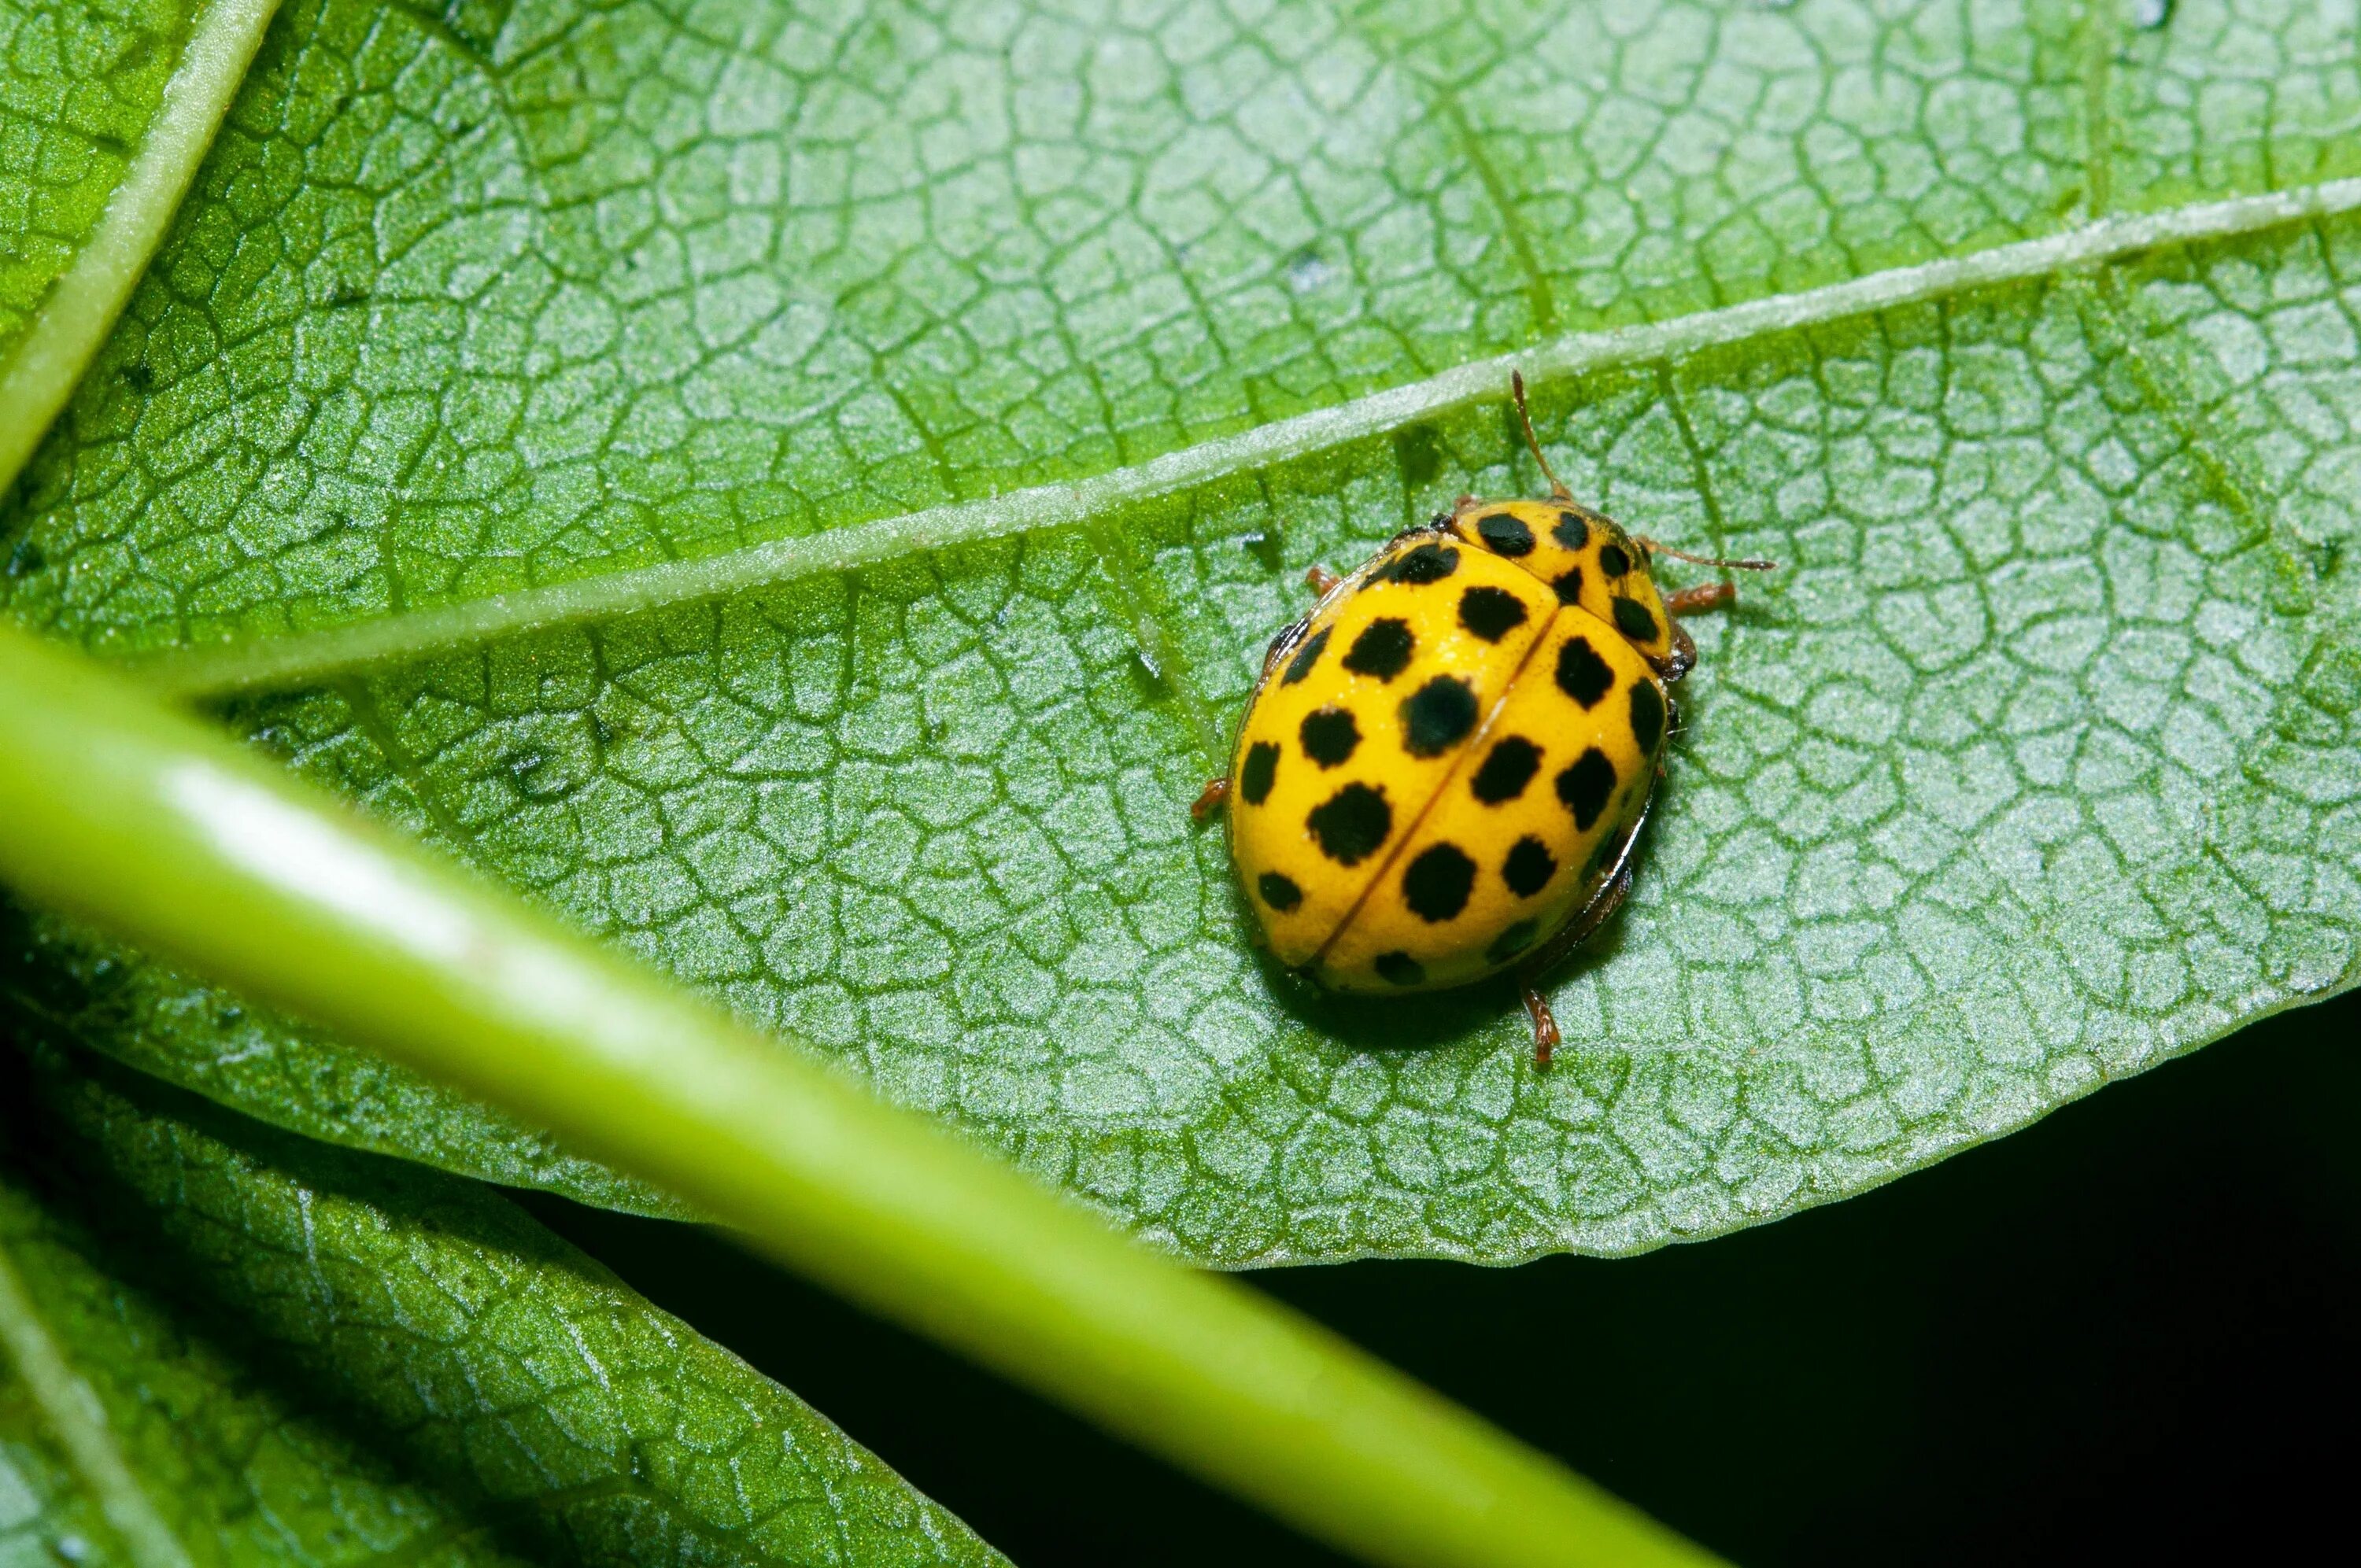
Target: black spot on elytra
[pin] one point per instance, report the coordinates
(1512, 941)
(1437, 715)
(1305, 657)
(1491, 613)
(1571, 531)
(1428, 562)
(1584, 784)
(1529, 867)
(1614, 560)
(1261, 768)
(1568, 585)
(1329, 736)
(1632, 620)
(1382, 650)
(1647, 715)
(1505, 534)
(1582, 674)
(1351, 823)
(1399, 968)
(1507, 769)
(1279, 892)
(1436, 884)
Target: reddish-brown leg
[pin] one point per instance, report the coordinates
(1216, 792)
(1553, 951)
(1545, 1036)
(1705, 595)
(1320, 579)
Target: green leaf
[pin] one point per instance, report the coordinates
(490, 297)
(303, 1355)
(78, 85)
(597, 457)
(137, 817)
(2228, 96)
(97, 146)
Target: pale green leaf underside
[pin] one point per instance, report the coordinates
(78, 82)
(2035, 767)
(486, 298)
(471, 1390)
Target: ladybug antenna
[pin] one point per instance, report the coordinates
(1653, 548)
(1517, 390)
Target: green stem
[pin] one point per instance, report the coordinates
(36, 380)
(78, 1421)
(115, 808)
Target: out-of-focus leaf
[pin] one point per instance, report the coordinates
(310, 1356)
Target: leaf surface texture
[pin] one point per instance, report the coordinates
(304, 1356)
(2035, 765)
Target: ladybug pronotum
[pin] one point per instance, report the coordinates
(1445, 766)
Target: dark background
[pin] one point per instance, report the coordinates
(2128, 1330)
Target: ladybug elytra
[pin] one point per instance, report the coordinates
(1445, 766)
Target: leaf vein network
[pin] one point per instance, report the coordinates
(302, 658)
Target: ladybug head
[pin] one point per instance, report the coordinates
(1611, 573)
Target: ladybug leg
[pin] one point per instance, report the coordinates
(1705, 595)
(1216, 792)
(1689, 601)
(1601, 909)
(1320, 579)
(1545, 1036)
(1682, 658)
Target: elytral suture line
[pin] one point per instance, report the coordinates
(279, 662)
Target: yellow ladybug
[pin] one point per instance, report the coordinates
(1445, 766)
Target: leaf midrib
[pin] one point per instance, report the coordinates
(300, 658)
